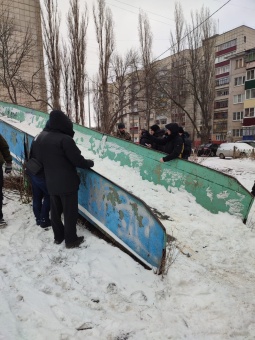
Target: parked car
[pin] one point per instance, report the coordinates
(207, 149)
(234, 149)
(248, 141)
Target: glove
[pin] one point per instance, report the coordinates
(90, 163)
(8, 168)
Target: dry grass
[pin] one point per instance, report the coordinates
(170, 255)
(18, 182)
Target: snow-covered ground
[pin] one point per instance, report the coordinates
(99, 292)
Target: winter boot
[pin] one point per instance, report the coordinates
(45, 223)
(2, 223)
(76, 243)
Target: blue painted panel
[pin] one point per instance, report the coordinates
(15, 139)
(124, 217)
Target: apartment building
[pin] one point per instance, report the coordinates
(249, 100)
(26, 14)
(230, 79)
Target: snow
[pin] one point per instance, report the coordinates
(98, 292)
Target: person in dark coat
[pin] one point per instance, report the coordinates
(173, 142)
(5, 157)
(41, 197)
(144, 140)
(253, 189)
(60, 157)
(155, 131)
(186, 143)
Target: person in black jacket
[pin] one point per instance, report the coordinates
(159, 133)
(186, 143)
(5, 157)
(60, 157)
(144, 140)
(41, 197)
(173, 142)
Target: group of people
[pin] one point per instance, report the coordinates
(174, 140)
(55, 185)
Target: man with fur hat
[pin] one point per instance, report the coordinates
(121, 133)
(60, 157)
(173, 142)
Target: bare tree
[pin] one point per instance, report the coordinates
(105, 39)
(16, 53)
(66, 79)
(121, 91)
(201, 80)
(189, 83)
(77, 28)
(96, 102)
(149, 72)
(51, 23)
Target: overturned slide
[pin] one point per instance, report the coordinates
(215, 191)
(123, 217)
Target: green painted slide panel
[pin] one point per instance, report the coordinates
(213, 190)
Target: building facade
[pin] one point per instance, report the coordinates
(26, 16)
(230, 79)
(249, 99)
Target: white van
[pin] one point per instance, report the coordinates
(234, 150)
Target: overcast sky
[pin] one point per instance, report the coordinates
(161, 15)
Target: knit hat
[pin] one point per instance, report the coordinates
(155, 127)
(181, 129)
(121, 126)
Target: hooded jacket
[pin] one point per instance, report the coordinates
(60, 156)
(173, 143)
(5, 155)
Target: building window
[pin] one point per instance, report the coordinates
(239, 63)
(250, 74)
(220, 137)
(238, 98)
(237, 116)
(250, 57)
(220, 126)
(249, 94)
(223, 57)
(226, 45)
(221, 115)
(222, 81)
(239, 81)
(249, 131)
(223, 92)
(221, 104)
(237, 132)
(222, 69)
(249, 112)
